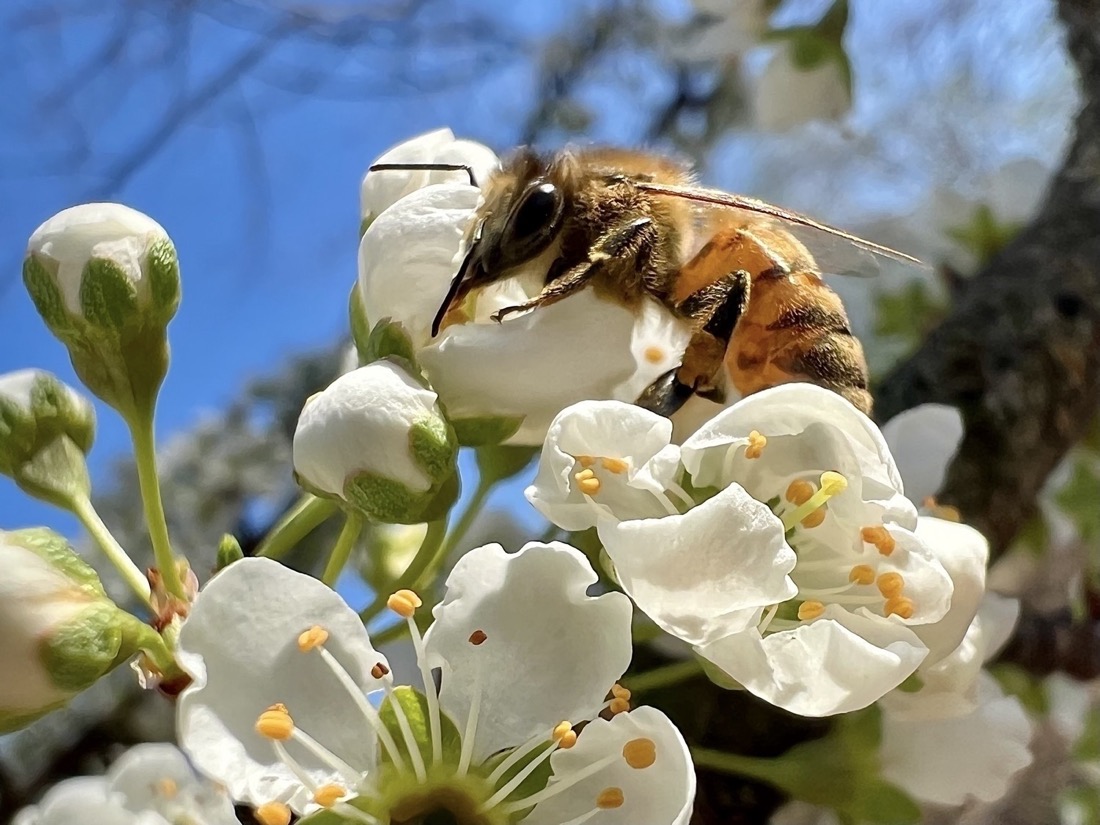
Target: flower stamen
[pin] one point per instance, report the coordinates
(167, 788)
(809, 610)
(557, 785)
(404, 603)
(585, 461)
(810, 512)
(272, 813)
(562, 736)
(467, 752)
(615, 465)
(587, 482)
(756, 445)
(312, 638)
(408, 597)
(640, 753)
(900, 606)
(275, 724)
(407, 735)
(328, 795)
(610, 798)
(862, 574)
(879, 537)
(891, 584)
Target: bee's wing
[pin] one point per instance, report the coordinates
(835, 251)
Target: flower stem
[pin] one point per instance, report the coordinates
(130, 572)
(734, 763)
(137, 634)
(307, 514)
(663, 676)
(145, 456)
(426, 557)
(341, 551)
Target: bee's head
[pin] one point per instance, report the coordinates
(522, 215)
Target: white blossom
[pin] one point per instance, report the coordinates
(281, 708)
(377, 439)
(781, 546)
(106, 235)
(786, 96)
(150, 784)
(526, 369)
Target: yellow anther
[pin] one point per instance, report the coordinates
(379, 670)
(586, 460)
(890, 584)
(757, 442)
(272, 813)
(640, 753)
(568, 741)
(900, 606)
(654, 355)
(619, 706)
(619, 692)
(862, 574)
(610, 798)
(944, 511)
(880, 537)
(614, 465)
(833, 483)
(328, 795)
(167, 788)
(312, 638)
(478, 637)
(587, 481)
(275, 723)
(404, 603)
(799, 492)
(814, 519)
(560, 730)
(810, 610)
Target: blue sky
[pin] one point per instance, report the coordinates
(259, 189)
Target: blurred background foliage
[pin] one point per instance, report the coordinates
(243, 126)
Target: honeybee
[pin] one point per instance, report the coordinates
(632, 224)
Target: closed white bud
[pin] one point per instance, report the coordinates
(59, 632)
(377, 440)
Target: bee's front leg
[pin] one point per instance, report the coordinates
(714, 310)
(622, 244)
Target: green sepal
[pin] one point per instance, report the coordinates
(539, 778)
(163, 271)
(55, 550)
(433, 447)
(76, 654)
(10, 722)
(497, 462)
(382, 499)
(46, 296)
(229, 551)
(56, 473)
(485, 431)
(108, 298)
(442, 502)
(53, 411)
(415, 705)
(388, 339)
(359, 324)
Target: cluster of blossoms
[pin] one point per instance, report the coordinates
(775, 541)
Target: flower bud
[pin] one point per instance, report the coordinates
(378, 441)
(59, 632)
(46, 428)
(105, 279)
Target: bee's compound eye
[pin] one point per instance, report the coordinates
(537, 213)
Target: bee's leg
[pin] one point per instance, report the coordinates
(715, 310)
(622, 244)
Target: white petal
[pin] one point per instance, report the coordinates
(138, 777)
(83, 799)
(964, 553)
(998, 616)
(661, 794)
(658, 345)
(407, 256)
(707, 573)
(923, 441)
(551, 654)
(791, 409)
(951, 760)
(535, 365)
(361, 423)
(838, 663)
(786, 96)
(380, 190)
(240, 646)
(102, 230)
(927, 583)
(604, 429)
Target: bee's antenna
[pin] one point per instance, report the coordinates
(456, 284)
(433, 167)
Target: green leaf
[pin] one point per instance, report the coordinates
(1079, 499)
(486, 430)
(984, 235)
(415, 705)
(907, 314)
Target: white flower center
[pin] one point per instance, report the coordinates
(437, 790)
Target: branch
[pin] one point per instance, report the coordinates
(1020, 353)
